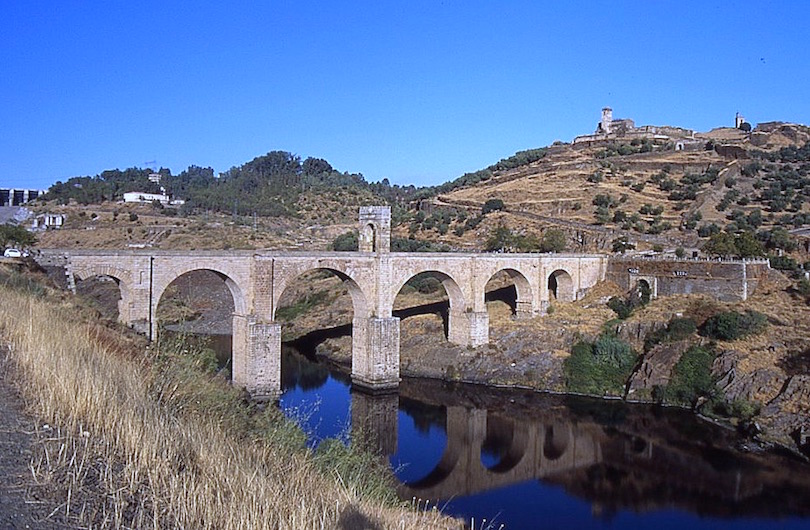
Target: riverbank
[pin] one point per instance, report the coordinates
(148, 436)
(759, 383)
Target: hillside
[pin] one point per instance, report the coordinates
(650, 193)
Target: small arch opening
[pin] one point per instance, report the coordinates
(316, 311)
(508, 294)
(369, 238)
(423, 303)
(561, 286)
(104, 293)
(643, 291)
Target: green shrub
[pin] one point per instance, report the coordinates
(783, 263)
(425, 283)
(492, 205)
(692, 377)
(730, 325)
(303, 305)
(677, 328)
(620, 307)
(599, 368)
(740, 409)
(347, 242)
(554, 240)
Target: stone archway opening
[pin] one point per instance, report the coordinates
(423, 306)
(561, 286)
(368, 238)
(507, 295)
(643, 291)
(197, 308)
(104, 293)
(316, 311)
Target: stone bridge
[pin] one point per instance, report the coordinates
(373, 277)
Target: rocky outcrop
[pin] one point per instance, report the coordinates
(788, 415)
(656, 367)
(757, 385)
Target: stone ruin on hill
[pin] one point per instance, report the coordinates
(610, 129)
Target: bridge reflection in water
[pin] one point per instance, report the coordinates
(523, 450)
(617, 457)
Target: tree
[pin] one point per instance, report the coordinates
(747, 246)
(721, 244)
(346, 242)
(492, 205)
(554, 240)
(16, 235)
(622, 244)
(500, 239)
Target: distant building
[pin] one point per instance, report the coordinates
(142, 197)
(17, 197)
(608, 125)
(44, 221)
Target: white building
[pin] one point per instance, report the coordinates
(142, 197)
(48, 220)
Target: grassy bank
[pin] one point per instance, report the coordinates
(148, 438)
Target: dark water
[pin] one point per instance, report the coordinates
(528, 460)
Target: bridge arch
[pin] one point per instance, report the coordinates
(238, 293)
(233, 283)
(457, 299)
(561, 286)
(453, 326)
(523, 304)
(360, 301)
(122, 279)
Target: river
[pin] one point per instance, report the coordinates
(530, 460)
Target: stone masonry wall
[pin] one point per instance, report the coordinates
(724, 280)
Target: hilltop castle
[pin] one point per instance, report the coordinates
(609, 129)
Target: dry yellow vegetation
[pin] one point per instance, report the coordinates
(129, 447)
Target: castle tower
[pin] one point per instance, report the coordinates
(607, 118)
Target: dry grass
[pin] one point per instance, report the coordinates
(133, 450)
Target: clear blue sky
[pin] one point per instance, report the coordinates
(415, 91)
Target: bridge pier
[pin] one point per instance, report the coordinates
(256, 360)
(375, 352)
(468, 328)
(375, 420)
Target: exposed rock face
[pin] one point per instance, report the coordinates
(752, 386)
(789, 413)
(656, 367)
